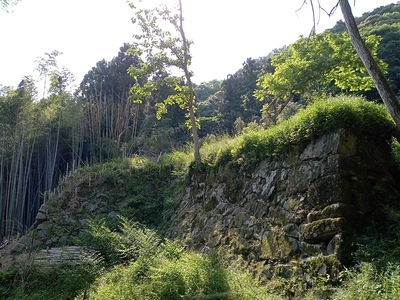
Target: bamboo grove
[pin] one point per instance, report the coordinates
(42, 140)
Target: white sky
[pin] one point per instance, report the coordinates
(225, 32)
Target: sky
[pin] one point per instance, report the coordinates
(225, 32)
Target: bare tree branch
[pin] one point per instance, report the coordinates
(320, 9)
(304, 3)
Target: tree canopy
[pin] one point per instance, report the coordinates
(315, 65)
(162, 48)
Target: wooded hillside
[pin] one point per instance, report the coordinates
(43, 137)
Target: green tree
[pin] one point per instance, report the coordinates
(369, 61)
(314, 65)
(111, 120)
(383, 21)
(163, 47)
(382, 85)
(238, 89)
(207, 89)
(46, 66)
(60, 80)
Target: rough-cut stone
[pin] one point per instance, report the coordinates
(298, 205)
(348, 144)
(313, 216)
(310, 249)
(328, 144)
(44, 208)
(329, 189)
(335, 244)
(325, 229)
(44, 226)
(26, 242)
(41, 216)
(303, 206)
(275, 244)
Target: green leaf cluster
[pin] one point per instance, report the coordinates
(314, 64)
(160, 52)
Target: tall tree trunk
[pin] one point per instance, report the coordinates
(192, 97)
(382, 85)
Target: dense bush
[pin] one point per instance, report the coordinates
(166, 272)
(365, 119)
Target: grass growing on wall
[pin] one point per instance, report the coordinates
(361, 117)
(324, 116)
(141, 265)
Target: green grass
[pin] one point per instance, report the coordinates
(365, 282)
(141, 265)
(365, 119)
(50, 282)
(355, 114)
(168, 272)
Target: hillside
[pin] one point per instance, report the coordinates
(295, 193)
(293, 205)
(44, 139)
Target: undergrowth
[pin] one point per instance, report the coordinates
(139, 264)
(163, 270)
(46, 282)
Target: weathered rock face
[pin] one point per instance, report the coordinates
(306, 207)
(293, 206)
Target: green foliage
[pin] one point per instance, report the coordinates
(383, 21)
(363, 118)
(146, 188)
(396, 152)
(376, 274)
(315, 65)
(101, 238)
(127, 240)
(180, 160)
(381, 249)
(46, 282)
(173, 274)
(206, 89)
(134, 239)
(366, 283)
(311, 64)
(237, 96)
(161, 47)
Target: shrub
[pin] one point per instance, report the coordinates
(186, 276)
(165, 271)
(355, 114)
(128, 241)
(366, 283)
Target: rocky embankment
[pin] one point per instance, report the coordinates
(306, 207)
(298, 213)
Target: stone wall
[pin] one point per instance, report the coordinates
(306, 206)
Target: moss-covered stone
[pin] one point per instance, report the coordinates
(325, 229)
(321, 265)
(276, 245)
(310, 249)
(329, 189)
(348, 144)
